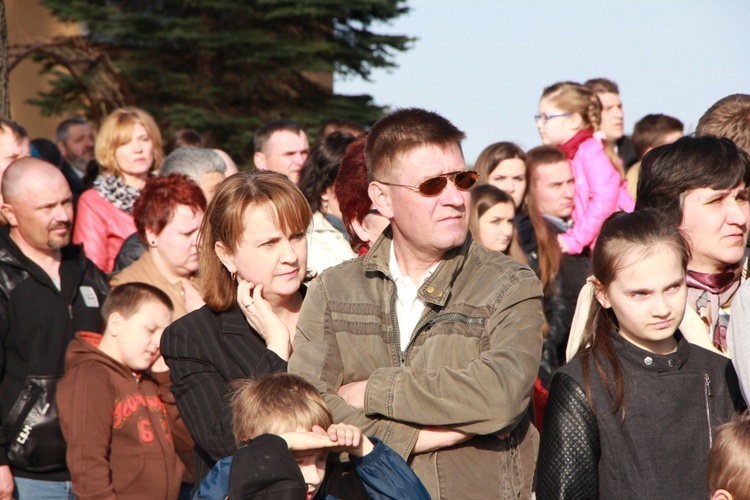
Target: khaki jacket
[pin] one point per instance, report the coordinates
(470, 364)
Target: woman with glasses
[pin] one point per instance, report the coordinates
(569, 115)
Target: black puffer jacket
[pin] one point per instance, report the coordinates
(37, 321)
(673, 405)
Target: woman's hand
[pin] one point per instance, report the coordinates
(259, 315)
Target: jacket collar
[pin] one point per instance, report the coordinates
(649, 361)
(233, 322)
(436, 289)
(72, 264)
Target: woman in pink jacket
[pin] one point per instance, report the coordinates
(128, 148)
(569, 115)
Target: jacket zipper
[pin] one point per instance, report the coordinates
(394, 324)
(431, 320)
(707, 394)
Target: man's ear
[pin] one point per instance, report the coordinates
(380, 196)
(259, 160)
(225, 256)
(601, 294)
(9, 214)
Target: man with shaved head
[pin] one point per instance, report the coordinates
(48, 291)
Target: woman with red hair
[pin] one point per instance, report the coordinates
(167, 216)
(363, 223)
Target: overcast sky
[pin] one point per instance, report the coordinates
(483, 63)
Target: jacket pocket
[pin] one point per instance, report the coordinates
(35, 440)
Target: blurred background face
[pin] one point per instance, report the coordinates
(496, 227)
(135, 157)
(613, 118)
(554, 189)
(78, 150)
(286, 153)
(176, 243)
(510, 176)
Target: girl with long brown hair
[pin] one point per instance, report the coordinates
(633, 415)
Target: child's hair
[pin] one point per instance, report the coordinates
(549, 251)
(624, 239)
(492, 155)
(573, 97)
(729, 459)
(651, 130)
(484, 197)
(275, 404)
(128, 298)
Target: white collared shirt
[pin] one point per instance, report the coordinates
(409, 305)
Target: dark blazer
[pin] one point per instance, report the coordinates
(205, 350)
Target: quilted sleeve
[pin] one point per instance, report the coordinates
(569, 451)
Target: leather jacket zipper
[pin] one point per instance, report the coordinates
(707, 394)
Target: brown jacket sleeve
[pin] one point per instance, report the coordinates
(85, 400)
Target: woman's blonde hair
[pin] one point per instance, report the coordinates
(117, 130)
(275, 404)
(224, 221)
(572, 97)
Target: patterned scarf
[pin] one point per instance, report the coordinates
(117, 192)
(708, 294)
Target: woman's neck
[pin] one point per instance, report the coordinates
(287, 309)
(165, 269)
(135, 181)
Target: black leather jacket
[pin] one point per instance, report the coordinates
(37, 321)
(673, 405)
(559, 305)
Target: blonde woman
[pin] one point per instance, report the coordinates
(129, 149)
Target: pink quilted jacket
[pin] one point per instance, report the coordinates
(101, 227)
(599, 193)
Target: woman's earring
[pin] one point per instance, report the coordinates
(233, 275)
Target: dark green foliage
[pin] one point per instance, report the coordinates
(224, 67)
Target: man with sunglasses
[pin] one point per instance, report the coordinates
(429, 342)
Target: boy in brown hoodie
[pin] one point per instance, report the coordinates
(112, 415)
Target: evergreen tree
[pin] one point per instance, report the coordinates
(224, 67)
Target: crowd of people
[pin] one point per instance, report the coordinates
(369, 317)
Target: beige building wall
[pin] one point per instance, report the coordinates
(31, 22)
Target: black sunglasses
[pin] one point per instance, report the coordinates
(435, 185)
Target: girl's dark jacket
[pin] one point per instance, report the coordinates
(673, 406)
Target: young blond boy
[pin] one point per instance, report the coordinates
(728, 471)
(111, 411)
(285, 432)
